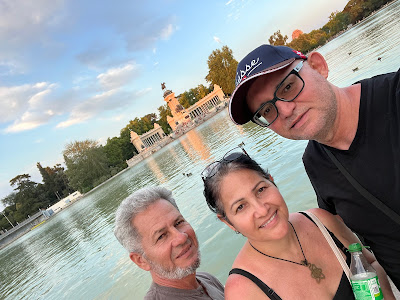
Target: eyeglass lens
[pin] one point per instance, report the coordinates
(210, 170)
(233, 154)
(287, 91)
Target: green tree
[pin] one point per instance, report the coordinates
(115, 155)
(163, 112)
(277, 39)
(128, 150)
(203, 91)
(309, 41)
(87, 164)
(8, 212)
(55, 182)
(338, 21)
(9, 200)
(29, 197)
(222, 69)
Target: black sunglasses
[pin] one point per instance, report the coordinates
(229, 156)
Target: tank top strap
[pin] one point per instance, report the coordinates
(265, 288)
(335, 239)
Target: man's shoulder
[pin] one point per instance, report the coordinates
(312, 151)
(213, 286)
(382, 80)
(207, 277)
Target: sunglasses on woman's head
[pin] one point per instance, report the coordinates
(229, 156)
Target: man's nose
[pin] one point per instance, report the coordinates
(285, 109)
(179, 237)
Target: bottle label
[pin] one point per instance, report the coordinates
(368, 289)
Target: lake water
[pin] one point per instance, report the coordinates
(75, 255)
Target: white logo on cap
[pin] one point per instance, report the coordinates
(242, 74)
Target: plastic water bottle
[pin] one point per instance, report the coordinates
(364, 281)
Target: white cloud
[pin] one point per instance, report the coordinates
(15, 101)
(24, 24)
(143, 92)
(29, 121)
(117, 77)
(37, 99)
(72, 121)
(106, 101)
(11, 67)
(229, 2)
(167, 31)
(144, 33)
(94, 55)
(217, 39)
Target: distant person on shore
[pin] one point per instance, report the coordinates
(286, 255)
(159, 240)
(357, 126)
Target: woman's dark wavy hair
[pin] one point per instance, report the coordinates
(212, 184)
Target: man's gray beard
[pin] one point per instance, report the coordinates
(174, 273)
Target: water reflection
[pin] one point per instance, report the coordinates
(196, 141)
(156, 170)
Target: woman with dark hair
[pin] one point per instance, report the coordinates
(286, 256)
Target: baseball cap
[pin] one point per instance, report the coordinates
(262, 60)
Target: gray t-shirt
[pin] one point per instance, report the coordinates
(214, 289)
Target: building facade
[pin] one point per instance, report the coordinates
(182, 116)
(147, 139)
(182, 120)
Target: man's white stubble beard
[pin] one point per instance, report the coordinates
(175, 272)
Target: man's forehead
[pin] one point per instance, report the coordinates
(268, 81)
(155, 217)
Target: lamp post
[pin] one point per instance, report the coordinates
(7, 218)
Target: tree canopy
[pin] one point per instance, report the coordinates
(87, 164)
(222, 69)
(277, 39)
(354, 11)
(28, 196)
(188, 98)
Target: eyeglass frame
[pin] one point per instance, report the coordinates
(223, 160)
(294, 71)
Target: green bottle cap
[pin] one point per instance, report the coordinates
(356, 247)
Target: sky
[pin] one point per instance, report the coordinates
(74, 70)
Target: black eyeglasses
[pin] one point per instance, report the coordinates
(288, 90)
(229, 156)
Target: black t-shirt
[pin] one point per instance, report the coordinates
(373, 159)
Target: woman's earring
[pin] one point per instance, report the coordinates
(237, 232)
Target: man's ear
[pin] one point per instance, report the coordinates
(224, 220)
(317, 62)
(140, 261)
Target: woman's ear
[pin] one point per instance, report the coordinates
(226, 221)
(318, 63)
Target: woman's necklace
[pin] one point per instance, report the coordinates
(316, 272)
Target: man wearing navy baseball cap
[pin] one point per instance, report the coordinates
(353, 154)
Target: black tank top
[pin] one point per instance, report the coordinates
(343, 292)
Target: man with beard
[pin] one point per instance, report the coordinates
(159, 240)
(353, 156)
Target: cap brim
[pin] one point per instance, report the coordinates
(238, 109)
